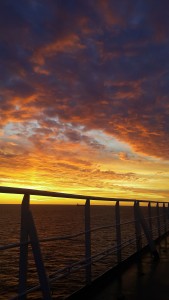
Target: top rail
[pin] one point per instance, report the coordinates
(23, 191)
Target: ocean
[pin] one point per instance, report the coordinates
(57, 221)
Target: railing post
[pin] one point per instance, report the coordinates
(164, 218)
(118, 231)
(137, 227)
(87, 242)
(150, 219)
(146, 232)
(43, 280)
(28, 229)
(23, 259)
(158, 220)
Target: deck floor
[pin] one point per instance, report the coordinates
(145, 280)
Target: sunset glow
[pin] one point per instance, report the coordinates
(84, 98)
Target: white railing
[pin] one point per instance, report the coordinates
(149, 227)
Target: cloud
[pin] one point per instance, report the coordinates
(158, 19)
(68, 44)
(72, 69)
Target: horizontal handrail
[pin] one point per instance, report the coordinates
(70, 237)
(34, 192)
(57, 238)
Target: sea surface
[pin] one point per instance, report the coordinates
(59, 221)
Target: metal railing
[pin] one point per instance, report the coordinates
(150, 227)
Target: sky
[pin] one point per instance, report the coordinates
(84, 97)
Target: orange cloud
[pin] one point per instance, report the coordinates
(69, 43)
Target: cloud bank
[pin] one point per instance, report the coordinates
(71, 67)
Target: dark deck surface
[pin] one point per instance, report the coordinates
(145, 279)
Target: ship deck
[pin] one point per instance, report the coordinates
(143, 279)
